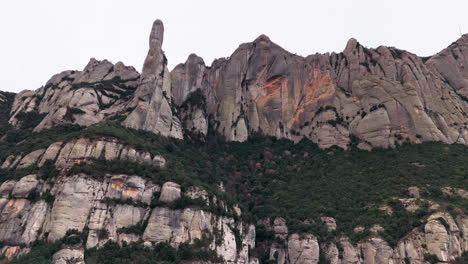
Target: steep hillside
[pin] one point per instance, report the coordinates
(262, 200)
(262, 157)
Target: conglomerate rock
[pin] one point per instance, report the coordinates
(366, 97)
(152, 99)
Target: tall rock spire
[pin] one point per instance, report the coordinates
(151, 103)
(154, 62)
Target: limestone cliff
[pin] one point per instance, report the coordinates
(83, 203)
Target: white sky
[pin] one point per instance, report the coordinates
(41, 38)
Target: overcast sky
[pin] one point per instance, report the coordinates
(41, 38)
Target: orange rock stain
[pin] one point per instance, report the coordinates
(131, 192)
(271, 88)
(117, 184)
(319, 85)
(11, 251)
(16, 205)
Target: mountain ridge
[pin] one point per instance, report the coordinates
(328, 98)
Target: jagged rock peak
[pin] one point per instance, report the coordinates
(187, 77)
(262, 87)
(352, 42)
(380, 97)
(194, 58)
(262, 38)
(96, 92)
(151, 102)
(463, 40)
(154, 62)
(351, 45)
(157, 34)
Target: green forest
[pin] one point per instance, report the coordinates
(268, 177)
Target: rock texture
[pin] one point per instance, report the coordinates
(441, 236)
(81, 202)
(366, 97)
(66, 154)
(79, 97)
(69, 255)
(363, 97)
(370, 97)
(152, 99)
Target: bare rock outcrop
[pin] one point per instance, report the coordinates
(303, 249)
(368, 97)
(79, 97)
(187, 77)
(102, 206)
(66, 154)
(365, 97)
(69, 255)
(151, 104)
(170, 192)
(442, 236)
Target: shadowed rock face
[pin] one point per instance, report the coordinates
(366, 97)
(187, 78)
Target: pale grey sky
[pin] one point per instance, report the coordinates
(41, 38)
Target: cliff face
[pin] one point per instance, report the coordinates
(442, 236)
(82, 203)
(370, 97)
(129, 209)
(379, 97)
(80, 97)
(116, 207)
(73, 188)
(152, 99)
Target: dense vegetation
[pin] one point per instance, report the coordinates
(300, 182)
(270, 177)
(111, 253)
(463, 259)
(25, 141)
(6, 101)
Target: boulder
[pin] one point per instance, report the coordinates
(69, 255)
(330, 222)
(170, 192)
(24, 186)
(413, 192)
(303, 249)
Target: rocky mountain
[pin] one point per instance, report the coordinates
(379, 97)
(80, 97)
(109, 165)
(370, 97)
(152, 99)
